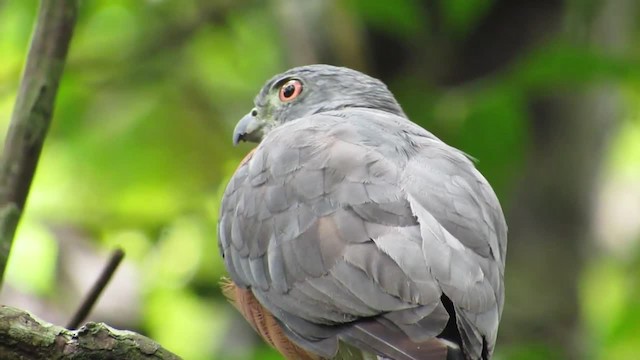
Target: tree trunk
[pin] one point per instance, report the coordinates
(550, 215)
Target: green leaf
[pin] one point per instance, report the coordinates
(402, 17)
(461, 16)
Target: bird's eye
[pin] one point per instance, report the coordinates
(290, 90)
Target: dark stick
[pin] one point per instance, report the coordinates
(32, 113)
(96, 290)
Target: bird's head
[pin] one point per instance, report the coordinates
(309, 90)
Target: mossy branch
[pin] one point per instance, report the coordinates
(25, 337)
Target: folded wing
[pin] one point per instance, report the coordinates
(335, 226)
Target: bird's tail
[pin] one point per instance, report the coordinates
(371, 336)
(376, 338)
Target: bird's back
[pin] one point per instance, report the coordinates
(361, 226)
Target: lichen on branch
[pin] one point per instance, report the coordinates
(23, 336)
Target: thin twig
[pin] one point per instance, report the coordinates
(107, 273)
(32, 113)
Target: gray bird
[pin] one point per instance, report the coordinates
(350, 223)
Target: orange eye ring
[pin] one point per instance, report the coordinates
(290, 90)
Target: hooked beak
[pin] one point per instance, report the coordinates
(249, 128)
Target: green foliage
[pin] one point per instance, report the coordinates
(35, 249)
(460, 16)
(611, 293)
(402, 17)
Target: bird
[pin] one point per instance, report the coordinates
(349, 224)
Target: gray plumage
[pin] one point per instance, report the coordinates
(350, 220)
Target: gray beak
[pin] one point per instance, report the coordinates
(249, 128)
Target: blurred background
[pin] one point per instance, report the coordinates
(544, 93)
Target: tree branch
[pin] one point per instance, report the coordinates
(22, 336)
(32, 113)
